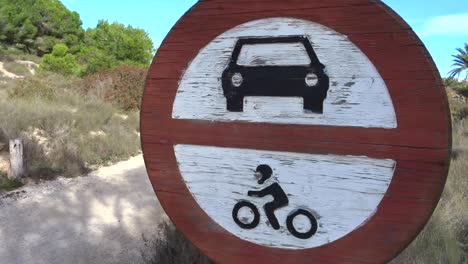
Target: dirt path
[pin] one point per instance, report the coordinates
(99, 218)
(32, 66)
(6, 73)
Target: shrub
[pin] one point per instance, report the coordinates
(95, 60)
(122, 86)
(462, 90)
(459, 87)
(32, 88)
(4, 54)
(111, 45)
(64, 132)
(458, 110)
(60, 61)
(171, 247)
(47, 86)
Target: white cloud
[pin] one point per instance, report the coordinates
(449, 25)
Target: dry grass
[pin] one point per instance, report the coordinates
(17, 68)
(445, 237)
(57, 126)
(171, 247)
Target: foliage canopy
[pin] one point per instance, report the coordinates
(460, 62)
(46, 26)
(60, 61)
(35, 26)
(110, 45)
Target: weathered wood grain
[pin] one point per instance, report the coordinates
(420, 143)
(357, 96)
(17, 166)
(273, 54)
(343, 191)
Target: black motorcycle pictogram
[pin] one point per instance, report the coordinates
(280, 199)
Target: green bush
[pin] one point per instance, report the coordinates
(122, 86)
(60, 61)
(4, 54)
(459, 87)
(112, 45)
(35, 26)
(95, 60)
(462, 90)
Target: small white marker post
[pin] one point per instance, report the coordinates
(17, 170)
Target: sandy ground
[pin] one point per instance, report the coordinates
(6, 73)
(99, 218)
(29, 64)
(4, 161)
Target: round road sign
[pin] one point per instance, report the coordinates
(296, 132)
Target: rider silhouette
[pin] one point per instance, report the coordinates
(280, 199)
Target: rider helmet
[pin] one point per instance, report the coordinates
(265, 172)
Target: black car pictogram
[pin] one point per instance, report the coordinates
(259, 67)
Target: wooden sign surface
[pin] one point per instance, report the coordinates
(344, 123)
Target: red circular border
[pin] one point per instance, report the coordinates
(421, 143)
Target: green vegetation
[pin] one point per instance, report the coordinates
(60, 61)
(48, 29)
(460, 62)
(111, 45)
(65, 132)
(35, 26)
(81, 110)
(7, 184)
(10, 54)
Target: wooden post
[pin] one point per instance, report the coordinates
(16, 160)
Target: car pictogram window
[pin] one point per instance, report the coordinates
(273, 54)
(275, 66)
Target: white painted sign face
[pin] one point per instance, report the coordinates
(341, 191)
(284, 199)
(357, 95)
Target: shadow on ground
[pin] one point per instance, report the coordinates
(99, 218)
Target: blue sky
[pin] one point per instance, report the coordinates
(442, 25)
